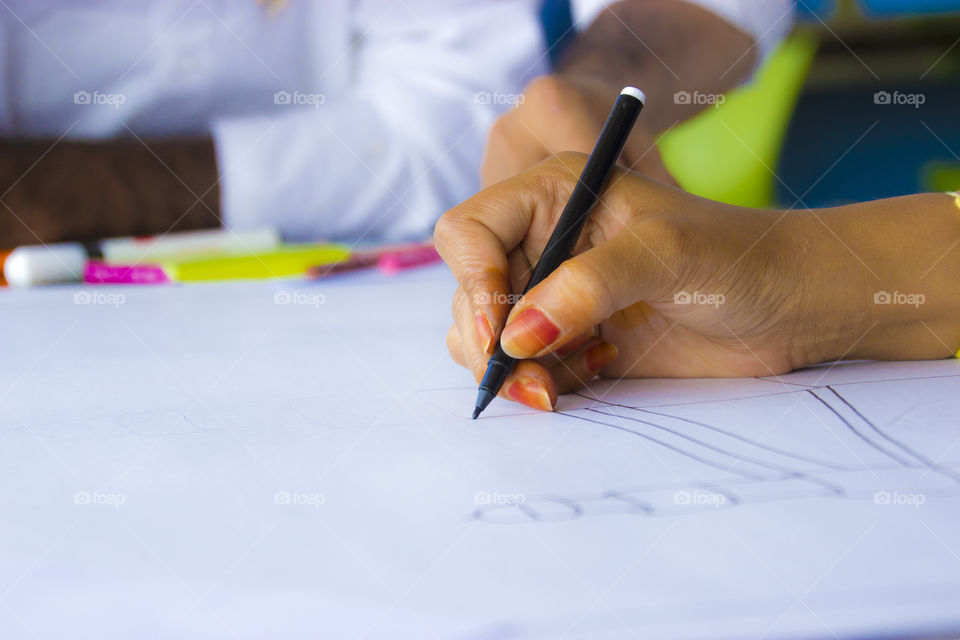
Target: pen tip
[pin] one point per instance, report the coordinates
(484, 398)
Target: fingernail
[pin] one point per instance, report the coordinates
(529, 333)
(484, 332)
(530, 392)
(600, 355)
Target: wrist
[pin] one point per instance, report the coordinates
(831, 312)
(880, 280)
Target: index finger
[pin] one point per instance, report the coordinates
(475, 237)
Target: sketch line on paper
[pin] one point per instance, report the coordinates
(857, 432)
(831, 480)
(754, 443)
(737, 458)
(673, 448)
(922, 459)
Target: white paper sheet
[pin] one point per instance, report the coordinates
(297, 461)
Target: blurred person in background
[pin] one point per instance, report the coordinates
(681, 53)
(340, 120)
(333, 118)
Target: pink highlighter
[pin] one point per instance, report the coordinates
(98, 272)
(393, 262)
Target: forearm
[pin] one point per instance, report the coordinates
(88, 190)
(882, 278)
(664, 47)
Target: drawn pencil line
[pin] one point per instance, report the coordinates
(720, 450)
(925, 461)
(857, 432)
(755, 443)
(696, 402)
(664, 444)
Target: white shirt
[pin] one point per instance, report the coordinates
(332, 118)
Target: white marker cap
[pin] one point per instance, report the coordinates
(50, 264)
(636, 93)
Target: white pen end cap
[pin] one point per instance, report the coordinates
(636, 93)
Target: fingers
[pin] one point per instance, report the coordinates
(472, 343)
(589, 288)
(536, 387)
(576, 370)
(475, 237)
(530, 383)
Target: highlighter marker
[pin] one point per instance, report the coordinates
(64, 262)
(98, 272)
(393, 262)
(291, 261)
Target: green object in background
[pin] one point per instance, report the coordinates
(939, 176)
(291, 261)
(730, 152)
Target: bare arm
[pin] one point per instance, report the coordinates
(665, 46)
(661, 46)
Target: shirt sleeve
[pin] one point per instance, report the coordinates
(384, 160)
(767, 21)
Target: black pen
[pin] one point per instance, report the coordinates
(584, 197)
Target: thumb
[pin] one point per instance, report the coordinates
(637, 264)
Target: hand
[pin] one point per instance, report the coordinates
(665, 284)
(560, 113)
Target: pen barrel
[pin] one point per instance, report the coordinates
(585, 194)
(499, 367)
(589, 186)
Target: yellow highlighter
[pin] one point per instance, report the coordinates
(286, 262)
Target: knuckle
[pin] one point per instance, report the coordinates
(475, 284)
(668, 237)
(556, 176)
(446, 231)
(564, 167)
